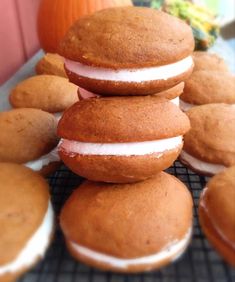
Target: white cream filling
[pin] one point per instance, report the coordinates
(120, 149)
(131, 75)
(171, 252)
(201, 165)
(218, 230)
(35, 247)
(58, 115)
(175, 101)
(185, 106)
(44, 160)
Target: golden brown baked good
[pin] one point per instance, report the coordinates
(156, 39)
(116, 213)
(121, 139)
(208, 61)
(217, 213)
(51, 64)
(28, 136)
(209, 146)
(49, 93)
(128, 51)
(24, 201)
(207, 87)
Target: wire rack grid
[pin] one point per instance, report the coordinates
(200, 263)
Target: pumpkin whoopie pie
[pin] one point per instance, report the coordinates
(208, 61)
(51, 64)
(26, 220)
(121, 139)
(128, 227)
(208, 87)
(28, 136)
(171, 94)
(128, 51)
(49, 93)
(209, 145)
(217, 213)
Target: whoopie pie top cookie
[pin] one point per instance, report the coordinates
(207, 87)
(122, 119)
(49, 93)
(26, 219)
(128, 51)
(51, 64)
(209, 145)
(100, 39)
(132, 227)
(208, 61)
(217, 213)
(28, 136)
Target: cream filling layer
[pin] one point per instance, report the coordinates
(185, 106)
(131, 75)
(218, 230)
(44, 160)
(58, 115)
(176, 101)
(173, 251)
(120, 149)
(201, 165)
(35, 247)
(85, 94)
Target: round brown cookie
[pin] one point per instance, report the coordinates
(51, 64)
(217, 213)
(206, 87)
(166, 39)
(122, 139)
(115, 210)
(27, 135)
(130, 119)
(16, 202)
(128, 39)
(49, 93)
(208, 61)
(209, 145)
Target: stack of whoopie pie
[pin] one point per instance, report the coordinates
(129, 64)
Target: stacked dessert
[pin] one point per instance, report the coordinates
(138, 58)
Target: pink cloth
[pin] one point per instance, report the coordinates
(18, 35)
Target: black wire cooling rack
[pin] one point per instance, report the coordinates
(200, 263)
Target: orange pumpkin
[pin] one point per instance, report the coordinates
(56, 16)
